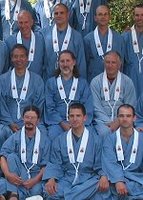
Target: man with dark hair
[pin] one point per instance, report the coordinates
(122, 157)
(60, 37)
(110, 89)
(75, 168)
(61, 91)
(133, 66)
(24, 156)
(20, 87)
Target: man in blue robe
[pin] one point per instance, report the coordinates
(33, 41)
(82, 15)
(19, 88)
(133, 38)
(24, 156)
(4, 59)
(61, 37)
(122, 157)
(74, 170)
(100, 41)
(110, 89)
(9, 12)
(75, 89)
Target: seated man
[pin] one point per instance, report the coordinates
(74, 172)
(62, 90)
(24, 156)
(122, 157)
(110, 90)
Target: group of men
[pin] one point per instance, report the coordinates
(59, 137)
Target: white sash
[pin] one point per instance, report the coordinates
(65, 42)
(35, 150)
(32, 46)
(63, 94)
(16, 12)
(136, 47)
(98, 42)
(84, 10)
(47, 5)
(23, 91)
(119, 149)
(106, 91)
(81, 151)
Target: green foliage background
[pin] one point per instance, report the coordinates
(121, 12)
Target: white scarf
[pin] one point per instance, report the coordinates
(98, 42)
(81, 151)
(23, 90)
(119, 148)
(136, 46)
(35, 150)
(16, 12)
(106, 91)
(63, 94)
(47, 5)
(32, 45)
(84, 11)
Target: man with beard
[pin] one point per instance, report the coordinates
(24, 156)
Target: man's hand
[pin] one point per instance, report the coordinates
(28, 184)
(14, 179)
(65, 126)
(103, 184)
(14, 127)
(51, 186)
(121, 188)
(114, 125)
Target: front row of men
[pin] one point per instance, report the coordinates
(72, 168)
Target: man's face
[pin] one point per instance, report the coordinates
(19, 58)
(61, 15)
(138, 17)
(126, 117)
(66, 64)
(25, 23)
(102, 16)
(76, 118)
(112, 65)
(30, 120)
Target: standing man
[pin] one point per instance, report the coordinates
(75, 171)
(19, 88)
(122, 157)
(61, 37)
(9, 12)
(110, 89)
(33, 41)
(134, 50)
(65, 88)
(100, 41)
(24, 156)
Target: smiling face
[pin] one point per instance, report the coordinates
(66, 64)
(30, 120)
(61, 15)
(102, 16)
(138, 16)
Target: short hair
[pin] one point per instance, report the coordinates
(32, 108)
(75, 69)
(103, 5)
(77, 106)
(140, 5)
(113, 52)
(128, 106)
(19, 46)
(61, 4)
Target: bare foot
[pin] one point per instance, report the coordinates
(2, 197)
(13, 196)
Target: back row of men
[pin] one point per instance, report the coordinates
(45, 45)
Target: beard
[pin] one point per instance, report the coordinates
(29, 126)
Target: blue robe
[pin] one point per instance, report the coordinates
(75, 45)
(25, 5)
(3, 189)
(131, 66)
(133, 176)
(63, 171)
(4, 59)
(76, 19)
(37, 65)
(11, 151)
(95, 63)
(102, 110)
(139, 112)
(55, 107)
